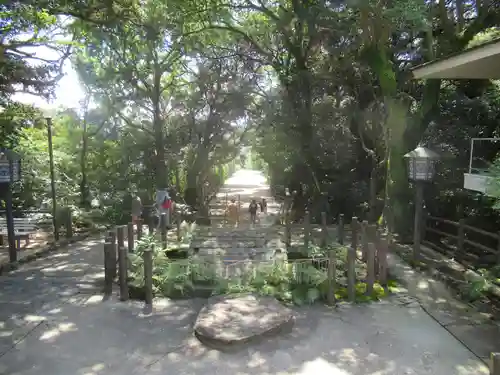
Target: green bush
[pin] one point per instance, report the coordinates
(298, 283)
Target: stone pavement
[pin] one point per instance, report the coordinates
(232, 243)
(46, 282)
(84, 335)
(54, 321)
(472, 328)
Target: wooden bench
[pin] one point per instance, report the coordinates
(23, 227)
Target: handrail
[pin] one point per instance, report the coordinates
(460, 237)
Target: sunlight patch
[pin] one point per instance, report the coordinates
(422, 284)
(61, 328)
(93, 300)
(321, 366)
(34, 318)
(6, 333)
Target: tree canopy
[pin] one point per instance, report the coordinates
(319, 90)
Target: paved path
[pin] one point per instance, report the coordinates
(472, 328)
(53, 321)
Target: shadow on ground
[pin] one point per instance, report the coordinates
(89, 336)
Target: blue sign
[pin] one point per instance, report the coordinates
(5, 172)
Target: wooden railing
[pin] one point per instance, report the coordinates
(367, 247)
(464, 242)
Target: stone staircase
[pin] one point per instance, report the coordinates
(230, 243)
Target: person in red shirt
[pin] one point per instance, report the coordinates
(169, 206)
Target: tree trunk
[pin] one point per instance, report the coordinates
(84, 188)
(299, 94)
(191, 191)
(161, 177)
(372, 215)
(177, 179)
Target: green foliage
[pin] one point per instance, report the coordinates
(294, 282)
(477, 287)
(23, 26)
(319, 92)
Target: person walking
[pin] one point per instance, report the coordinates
(136, 209)
(263, 206)
(168, 207)
(232, 212)
(252, 208)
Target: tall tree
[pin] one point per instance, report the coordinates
(23, 29)
(137, 63)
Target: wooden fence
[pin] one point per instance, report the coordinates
(465, 243)
(116, 252)
(367, 248)
(367, 245)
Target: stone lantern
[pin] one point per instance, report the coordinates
(421, 164)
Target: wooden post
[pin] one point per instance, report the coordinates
(351, 259)
(130, 237)
(382, 252)
(288, 233)
(151, 225)
(178, 227)
(122, 264)
(364, 240)
(498, 248)
(163, 230)
(495, 364)
(225, 210)
(419, 206)
(109, 264)
(331, 277)
(354, 232)
(324, 231)
(239, 210)
(112, 238)
(69, 224)
(424, 224)
(148, 275)
(340, 229)
(139, 229)
(120, 238)
(372, 237)
(307, 229)
(461, 239)
(370, 268)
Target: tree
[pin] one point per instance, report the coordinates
(22, 28)
(218, 103)
(137, 63)
(285, 36)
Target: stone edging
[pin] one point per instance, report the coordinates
(49, 248)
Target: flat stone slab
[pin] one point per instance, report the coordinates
(239, 319)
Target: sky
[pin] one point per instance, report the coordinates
(68, 93)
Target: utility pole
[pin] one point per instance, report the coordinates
(52, 178)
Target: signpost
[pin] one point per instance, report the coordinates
(10, 172)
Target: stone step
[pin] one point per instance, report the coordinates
(229, 229)
(218, 245)
(234, 235)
